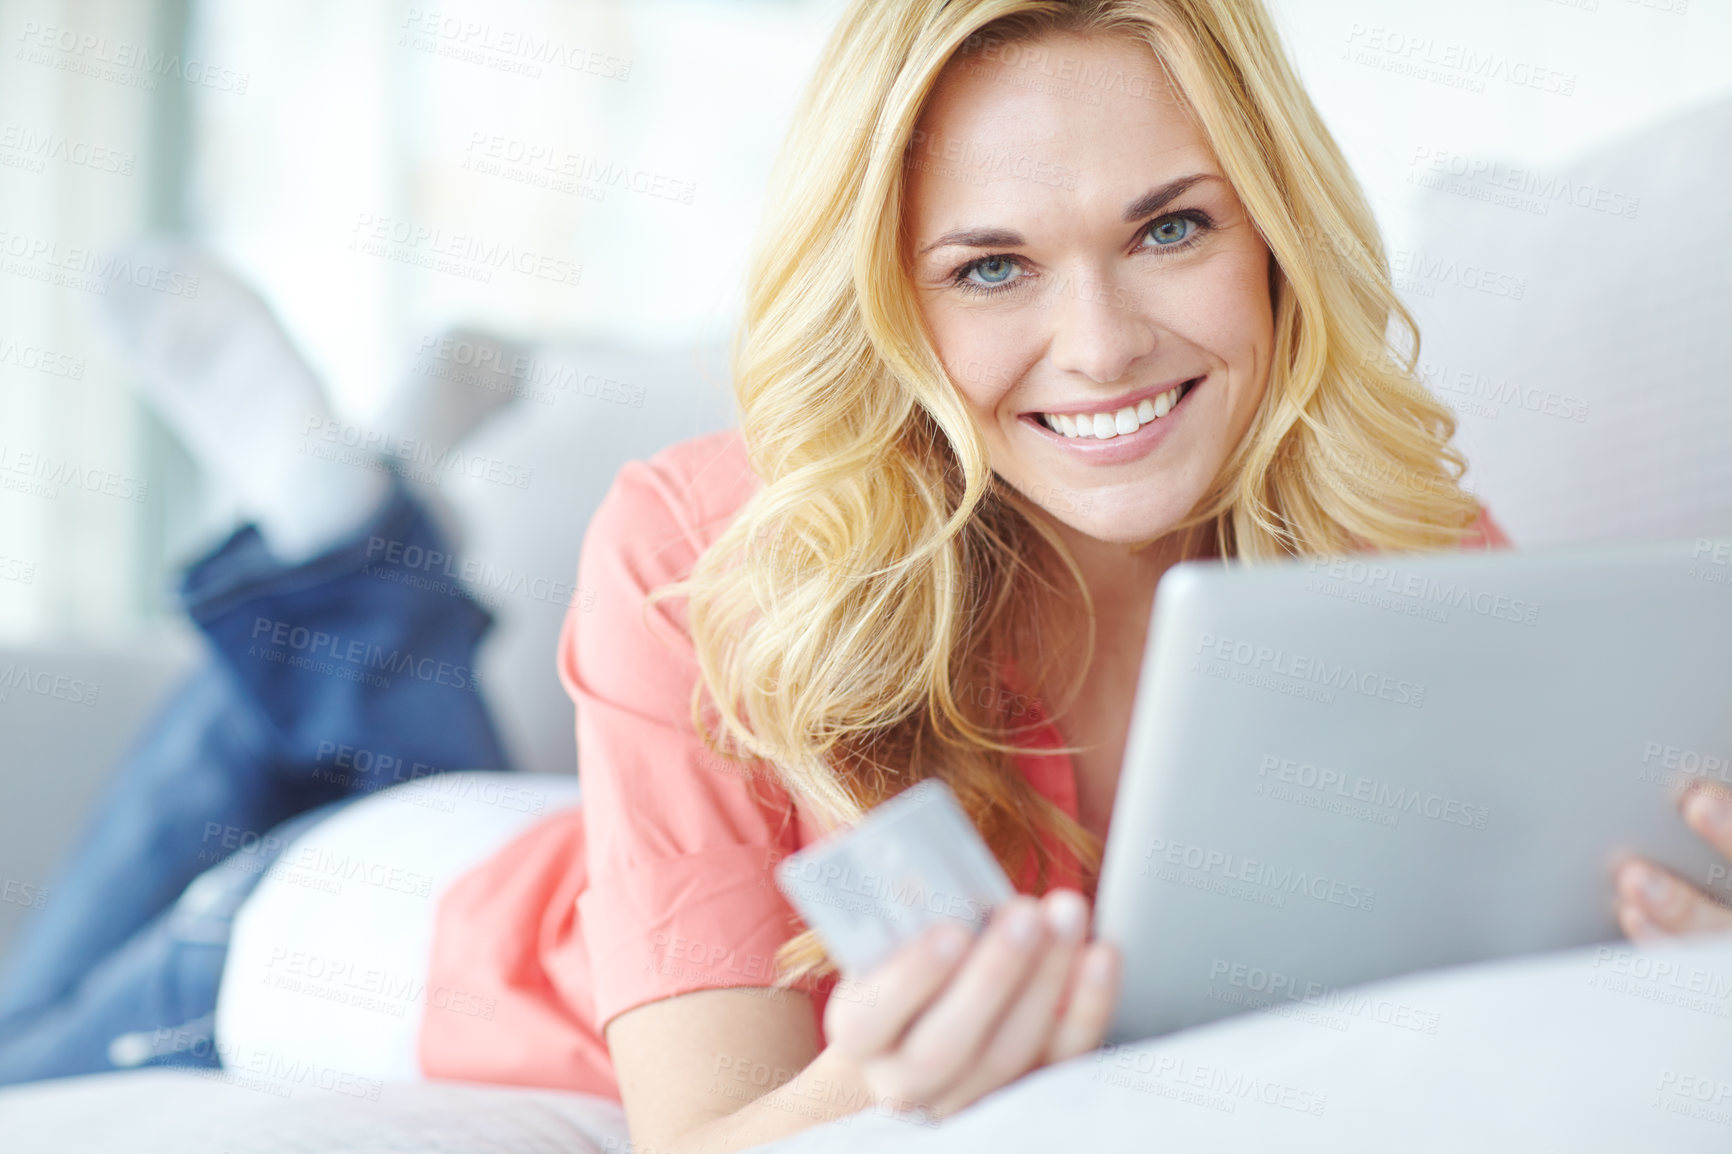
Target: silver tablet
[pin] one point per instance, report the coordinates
(1345, 770)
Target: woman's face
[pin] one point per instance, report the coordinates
(1078, 256)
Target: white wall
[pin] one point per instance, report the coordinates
(355, 110)
(76, 176)
(346, 118)
(1624, 63)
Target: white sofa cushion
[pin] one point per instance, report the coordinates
(1585, 349)
(177, 1112)
(520, 546)
(1602, 1049)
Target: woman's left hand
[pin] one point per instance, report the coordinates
(1655, 903)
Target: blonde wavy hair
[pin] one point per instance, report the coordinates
(857, 623)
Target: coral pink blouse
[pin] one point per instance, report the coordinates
(660, 882)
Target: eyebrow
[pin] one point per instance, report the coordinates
(1145, 205)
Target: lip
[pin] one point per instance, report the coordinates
(1114, 404)
(1126, 446)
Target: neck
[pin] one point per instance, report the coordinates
(1121, 575)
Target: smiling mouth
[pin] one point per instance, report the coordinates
(1121, 422)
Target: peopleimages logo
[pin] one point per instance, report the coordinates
(983, 164)
(540, 379)
(15, 676)
(1212, 1087)
(1385, 577)
(551, 166)
(1418, 268)
(40, 360)
(302, 864)
(302, 647)
(28, 148)
(25, 894)
(502, 47)
(133, 65)
(1308, 672)
(17, 569)
(881, 894)
(1264, 989)
(1380, 795)
(1522, 182)
(1500, 393)
(1254, 872)
(1712, 561)
(463, 254)
(84, 269)
(1461, 65)
(424, 460)
(41, 474)
(389, 559)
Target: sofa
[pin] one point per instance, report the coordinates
(1577, 335)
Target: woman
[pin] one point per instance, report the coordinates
(1051, 296)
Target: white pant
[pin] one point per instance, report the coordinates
(327, 967)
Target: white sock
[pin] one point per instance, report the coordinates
(222, 374)
(458, 380)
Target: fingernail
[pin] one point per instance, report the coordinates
(1656, 887)
(1064, 913)
(1021, 920)
(1712, 810)
(1642, 926)
(1098, 967)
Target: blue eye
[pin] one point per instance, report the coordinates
(1172, 230)
(993, 270)
(995, 274)
(1001, 272)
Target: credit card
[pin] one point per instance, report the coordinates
(913, 860)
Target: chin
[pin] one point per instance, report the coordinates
(1119, 522)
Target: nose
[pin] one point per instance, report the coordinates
(1098, 330)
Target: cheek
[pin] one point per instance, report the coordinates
(1223, 309)
(984, 352)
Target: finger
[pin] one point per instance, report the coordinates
(1094, 993)
(1019, 1043)
(1636, 925)
(1708, 810)
(900, 988)
(1665, 901)
(934, 1054)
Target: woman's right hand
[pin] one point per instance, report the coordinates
(953, 1017)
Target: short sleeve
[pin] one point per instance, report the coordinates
(680, 845)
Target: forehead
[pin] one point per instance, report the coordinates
(1064, 117)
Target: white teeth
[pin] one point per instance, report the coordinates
(1106, 426)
